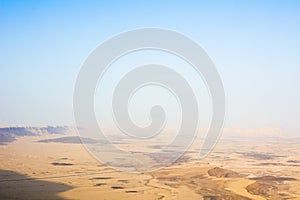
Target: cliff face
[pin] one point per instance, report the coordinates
(8, 134)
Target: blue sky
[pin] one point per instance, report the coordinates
(255, 46)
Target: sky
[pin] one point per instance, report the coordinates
(255, 46)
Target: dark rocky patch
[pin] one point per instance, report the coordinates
(117, 187)
(63, 158)
(210, 198)
(61, 164)
(273, 178)
(224, 197)
(198, 176)
(131, 191)
(123, 181)
(99, 184)
(263, 189)
(260, 156)
(223, 173)
(100, 178)
(183, 159)
(284, 195)
(271, 163)
(70, 140)
(293, 161)
(172, 184)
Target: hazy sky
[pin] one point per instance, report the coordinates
(255, 46)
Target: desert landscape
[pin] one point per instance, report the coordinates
(149, 100)
(52, 163)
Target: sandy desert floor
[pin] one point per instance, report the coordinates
(235, 169)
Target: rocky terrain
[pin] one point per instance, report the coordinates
(42, 165)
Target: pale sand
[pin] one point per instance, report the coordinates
(87, 178)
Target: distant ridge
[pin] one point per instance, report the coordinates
(8, 134)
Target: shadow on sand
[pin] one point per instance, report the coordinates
(18, 186)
